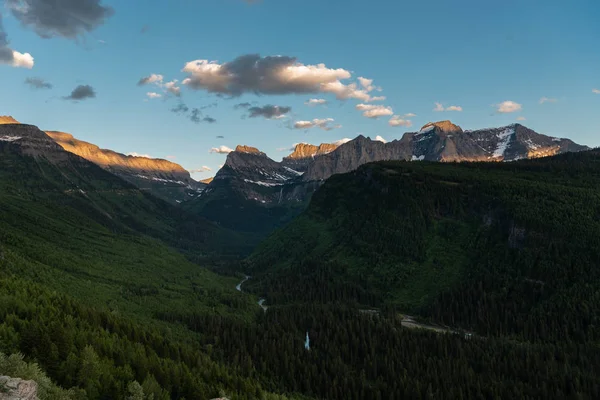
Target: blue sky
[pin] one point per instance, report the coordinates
(470, 54)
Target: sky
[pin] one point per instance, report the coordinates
(187, 80)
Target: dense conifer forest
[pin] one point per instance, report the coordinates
(107, 295)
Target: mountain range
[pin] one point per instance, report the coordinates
(278, 191)
(109, 288)
(254, 193)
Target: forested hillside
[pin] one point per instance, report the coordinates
(111, 292)
(501, 249)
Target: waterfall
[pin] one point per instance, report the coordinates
(307, 343)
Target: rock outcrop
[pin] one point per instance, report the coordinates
(7, 119)
(31, 141)
(17, 389)
(304, 154)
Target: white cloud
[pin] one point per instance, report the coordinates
(203, 168)
(342, 141)
(597, 91)
(172, 87)
(134, 154)
(439, 107)
(380, 139)
(374, 111)
(252, 73)
(153, 95)
(324, 124)
(150, 79)
(547, 100)
(397, 120)
(521, 118)
(221, 150)
(20, 60)
(409, 115)
(314, 102)
(508, 107)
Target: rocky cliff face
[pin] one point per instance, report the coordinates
(17, 389)
(445, 142)
(250, 175)
(7, 119)
(29, 140)
(163, 178)
(304, 154)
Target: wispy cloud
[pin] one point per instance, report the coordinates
(374, 111)
(325, 124)
(152, 78)
(597, 91)
(38, 83)
(203, 168)
(153, 95)
(521, 118)
(315, 102)
(221, 150)
(439, 107)
(398, 120)
(508, 106)
(269, 111)
(547, 100)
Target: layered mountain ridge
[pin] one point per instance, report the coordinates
(163, 178)
(257, 181)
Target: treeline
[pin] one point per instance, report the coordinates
(371, 356)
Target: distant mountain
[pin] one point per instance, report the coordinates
(304, 154)
(162, 178)
(253, 192)
(442, 141)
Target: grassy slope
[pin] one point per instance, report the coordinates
(408, 234)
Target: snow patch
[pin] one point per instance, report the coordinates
(267, 184)
(426, 129)
(293, 171)
(503, 141)
(9, 138)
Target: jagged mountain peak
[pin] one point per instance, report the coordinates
(248, 149)
(7, 119)
(445, 126)
(306, 150)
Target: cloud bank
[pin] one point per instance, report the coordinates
(273, 75)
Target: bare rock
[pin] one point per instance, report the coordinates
(17, 389)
